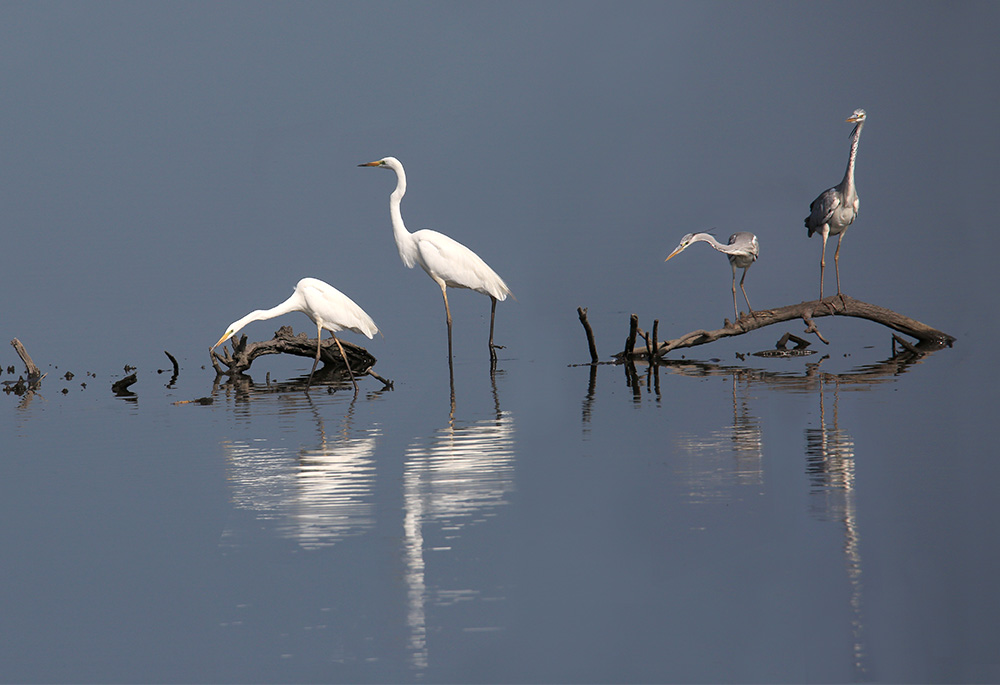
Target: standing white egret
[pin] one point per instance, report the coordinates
(446, 261)
(742, 251)
(837, 207)
(326, 306)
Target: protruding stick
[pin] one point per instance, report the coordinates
(34, 373)
(582, 312)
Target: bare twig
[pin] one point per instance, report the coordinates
(633, 328)
(582, 312)
(173, 361)
(907, 346)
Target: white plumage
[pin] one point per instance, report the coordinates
(329, 309)
(448, 262)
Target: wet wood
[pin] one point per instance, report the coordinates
(928, 338)
(582, 313)
(34, 373)
(286, 342)
(121, 386)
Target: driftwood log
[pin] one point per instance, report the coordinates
(34, 375)
(928, 338)
(286, 342)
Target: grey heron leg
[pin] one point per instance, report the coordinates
(319, 346)
(744, 291)
(346, 363)
(822, 259)
(736, 311)
(836, 259)
(493, 313)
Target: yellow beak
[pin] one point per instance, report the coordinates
(222, 339)
(375, 163)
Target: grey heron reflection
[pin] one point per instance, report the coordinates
(316, 495)
(831, 471)
(717, 464)
(458, 477)
(720, 464)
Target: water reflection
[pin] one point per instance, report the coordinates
(457, 477)
(728, 457)
(830, 467)
(723, 460)
(316, 495)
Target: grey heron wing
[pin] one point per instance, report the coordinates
(822, 209)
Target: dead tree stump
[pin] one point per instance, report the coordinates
(285, 341)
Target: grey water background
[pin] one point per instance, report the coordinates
(167, 167)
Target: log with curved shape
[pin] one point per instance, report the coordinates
(286, 342)
(929, 338)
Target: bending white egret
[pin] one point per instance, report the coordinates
(742, 251)
(326, 306)
(449, 263)
(837, 207)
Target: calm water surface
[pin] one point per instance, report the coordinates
(166, 168)
(755, 520)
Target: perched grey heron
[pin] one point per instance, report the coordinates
(742, 251)
(837, 208)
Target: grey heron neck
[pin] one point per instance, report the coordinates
(848, 182)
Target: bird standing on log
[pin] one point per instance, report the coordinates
(742, 251)
(449, 263)
(837, 208)
(326, 306)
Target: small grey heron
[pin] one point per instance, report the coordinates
(837, 208)
(742, 251)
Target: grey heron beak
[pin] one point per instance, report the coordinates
(674, 254)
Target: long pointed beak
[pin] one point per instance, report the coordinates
(674, 254)
(376, 163)
(221, 340)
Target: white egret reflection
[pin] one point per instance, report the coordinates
(458, 477)
(317, 495)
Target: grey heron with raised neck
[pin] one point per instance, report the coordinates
(837, 207)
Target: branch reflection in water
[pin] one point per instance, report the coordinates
(317, 495)
(733, 456)
(456, 478)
